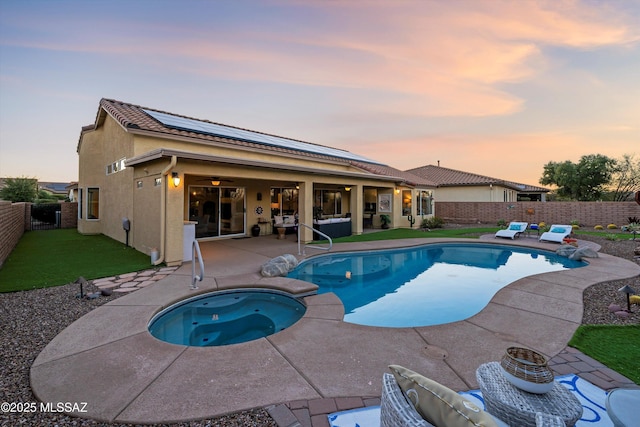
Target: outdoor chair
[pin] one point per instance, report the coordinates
(515, 229)
(367, 222)
(556, 233)
(397, 411)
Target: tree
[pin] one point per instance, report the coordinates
(584, 181)
(626, 178)
(19, 189)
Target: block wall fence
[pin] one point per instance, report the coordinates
(15, 219)
(588, 214)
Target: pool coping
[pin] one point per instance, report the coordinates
(109, 360)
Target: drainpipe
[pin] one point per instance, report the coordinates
(163, 208)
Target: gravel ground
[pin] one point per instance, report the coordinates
(29, 320)
(597, 298)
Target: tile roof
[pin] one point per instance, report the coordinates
(134, 118)
(405, 177)
(445, 177)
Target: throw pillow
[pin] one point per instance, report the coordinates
(438, 404)
(514, 227)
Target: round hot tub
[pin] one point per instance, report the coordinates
(224, 318)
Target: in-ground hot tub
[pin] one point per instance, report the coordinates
(228, 317)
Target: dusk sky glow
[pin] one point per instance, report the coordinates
(493, 87)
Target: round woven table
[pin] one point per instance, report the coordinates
(518, 407)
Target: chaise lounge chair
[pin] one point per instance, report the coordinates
(556, 233)
(514, 230)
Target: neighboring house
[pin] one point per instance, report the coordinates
(168, 176)
(458, 186)
(55, 188)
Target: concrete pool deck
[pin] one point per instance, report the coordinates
(110, 361)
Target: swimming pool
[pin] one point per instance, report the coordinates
(423, 285)
(224, 318)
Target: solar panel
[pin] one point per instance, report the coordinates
(214, 129)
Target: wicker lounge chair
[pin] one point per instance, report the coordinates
(515, 229)
(557, 233)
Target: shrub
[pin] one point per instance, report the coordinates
(612, 237)
(598, 227)
(634, 220)
(433, 222)
(612, 226)
(502, 223)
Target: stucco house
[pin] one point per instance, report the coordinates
(459, 186)
(169, 178)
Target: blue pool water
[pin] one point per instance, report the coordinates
(224, 318)
(425, 285)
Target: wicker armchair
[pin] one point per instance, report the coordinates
(395, 411)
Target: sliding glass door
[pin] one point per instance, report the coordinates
(218, 211)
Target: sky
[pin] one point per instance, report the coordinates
(497, 88)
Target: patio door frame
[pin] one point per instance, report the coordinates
(223, 211)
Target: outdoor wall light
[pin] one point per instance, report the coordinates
(397, 190)
(215, 182)
(175, 178)
(347, 188)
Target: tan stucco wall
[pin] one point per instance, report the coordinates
(99, 148)
(145, 226)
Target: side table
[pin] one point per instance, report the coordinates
(517, 407)
(622, 406)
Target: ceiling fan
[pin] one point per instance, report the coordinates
(214, 180)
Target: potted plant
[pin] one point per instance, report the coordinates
(385, 220)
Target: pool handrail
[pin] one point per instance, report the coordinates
(195, 250)
(322, 248)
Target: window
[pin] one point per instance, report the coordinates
(330, 201)
(406, 202)
(424, 203)
(116, 166)
(93, 203)
(284, 201)
(80, 201)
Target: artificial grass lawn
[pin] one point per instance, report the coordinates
(57, 257)
(616, 346)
